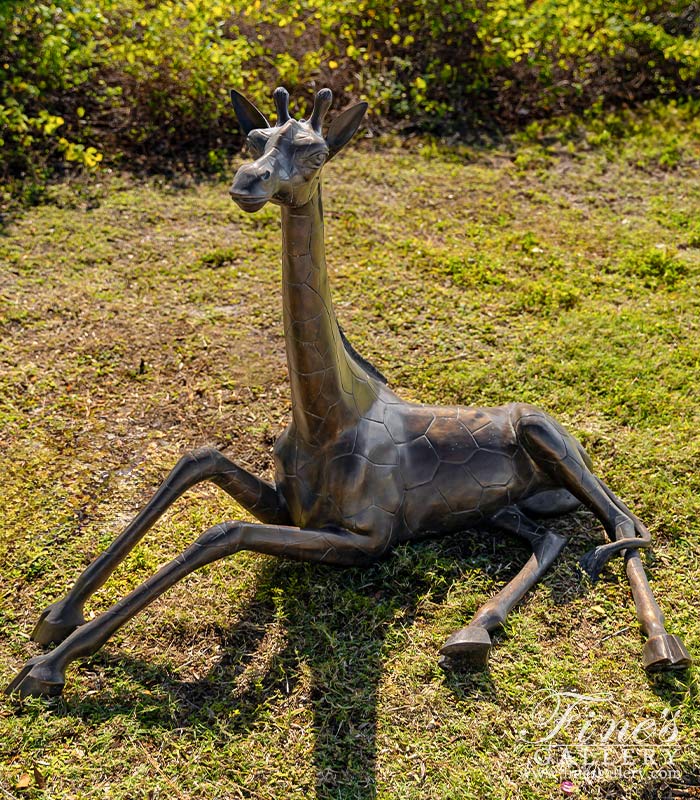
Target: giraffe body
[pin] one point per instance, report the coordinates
(407, 471)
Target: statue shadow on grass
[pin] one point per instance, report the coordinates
(337, 627)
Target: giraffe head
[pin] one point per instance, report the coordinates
(289, 155)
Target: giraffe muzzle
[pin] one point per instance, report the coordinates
(253, 186)
(249, 204)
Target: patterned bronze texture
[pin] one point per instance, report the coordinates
(359, 470)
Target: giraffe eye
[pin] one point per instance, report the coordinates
(256, 142)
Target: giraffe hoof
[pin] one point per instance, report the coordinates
(665, 652)
(469, 646)
(38, 678)
(57, 622)
(591, 564)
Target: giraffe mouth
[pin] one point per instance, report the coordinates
(248, 203)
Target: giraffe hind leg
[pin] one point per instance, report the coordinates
(471, 645)
(558, 454)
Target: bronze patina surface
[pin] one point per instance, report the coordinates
(359, 470)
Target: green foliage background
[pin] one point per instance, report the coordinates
(146, 82)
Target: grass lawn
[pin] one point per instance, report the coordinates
(143, 318)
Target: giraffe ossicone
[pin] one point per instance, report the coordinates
(358, 469)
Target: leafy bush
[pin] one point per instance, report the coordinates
(44, 53)
(146, 81)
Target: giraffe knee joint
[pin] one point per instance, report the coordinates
(539, 436)
(200, 464)
(225, 535)
(548, 548)
(377, 546)
(201, 455)
(624, 528)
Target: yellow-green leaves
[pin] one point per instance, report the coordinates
(86, 156)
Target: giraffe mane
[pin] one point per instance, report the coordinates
(361, 360)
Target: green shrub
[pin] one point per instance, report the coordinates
(146, 81)
(46, 53)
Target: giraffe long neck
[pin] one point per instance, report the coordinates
(319, 371)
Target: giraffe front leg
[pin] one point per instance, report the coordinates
(255, 495)
(45, 675)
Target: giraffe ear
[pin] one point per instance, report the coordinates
(344, 127)
(249, 118)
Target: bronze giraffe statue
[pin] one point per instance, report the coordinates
(358, 470)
